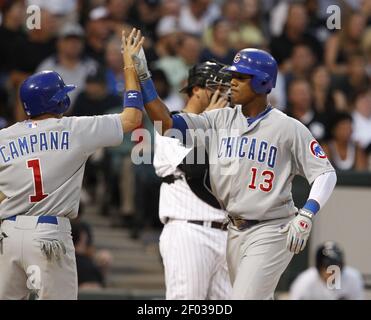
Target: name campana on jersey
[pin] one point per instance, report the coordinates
(43, 141)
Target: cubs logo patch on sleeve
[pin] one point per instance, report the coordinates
(317, 150)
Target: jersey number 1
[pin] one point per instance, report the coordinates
(37, 179)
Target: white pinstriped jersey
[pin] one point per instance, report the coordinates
(195, 263)
(177, 201)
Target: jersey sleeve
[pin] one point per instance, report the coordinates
(98, 131)
(193, 126)
(310, 160)
(201, 121)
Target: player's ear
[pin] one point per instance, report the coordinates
(196, 90)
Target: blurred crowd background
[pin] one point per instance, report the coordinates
(324, 78)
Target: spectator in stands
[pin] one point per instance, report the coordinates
(27, 54)
(119, 15)
(147, 183)
(92, 265)
(167, 35)
(219, 48)
(13, 15)
(69, 61)
(231, 11)
(170, 8)
(119, 178)
(278, 95)
(295, 32)
(119, 10)
(323, 282)
(366, 50)
(355, 80)
(252, 30)
(301, 63)
(98, 30)
(362, 120)
(3, 122)
(160, 30)
(88, 274)
(300, 100)
(95, 99)
(316, 24)
(39, 42)
(366, 10)
(149, 13)
(6, 117)
(188, 50)
(326, 100)
(342, 151)
(344, 43)
(114, 65)
(163, 88)
(196, 15)
(245, 20)
(64, 12)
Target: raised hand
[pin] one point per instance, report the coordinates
(131, 45)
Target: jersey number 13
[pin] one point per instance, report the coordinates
(267, 183)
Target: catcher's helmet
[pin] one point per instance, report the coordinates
(45, 92)
(207, 75)
(329, 254)
(260, 65)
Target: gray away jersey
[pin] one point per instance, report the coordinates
(252, 166)
(42, 162)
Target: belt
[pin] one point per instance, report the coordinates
(170, 178)
(41, 219)
(242, 224)
(212, 224)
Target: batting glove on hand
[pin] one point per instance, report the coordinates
(141, 66)
(298, 231)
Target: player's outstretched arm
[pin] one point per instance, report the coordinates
(158, 112)
(131, 116)
(155, 108)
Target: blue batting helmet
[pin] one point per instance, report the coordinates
(260, 65)
(45, 92)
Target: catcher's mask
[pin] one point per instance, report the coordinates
(210, 75)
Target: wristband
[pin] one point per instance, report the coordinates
(148, 90)
(133, 99)
(312, 205)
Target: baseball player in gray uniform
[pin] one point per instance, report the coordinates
(194, 238)
(254, 153)
(42, 164)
